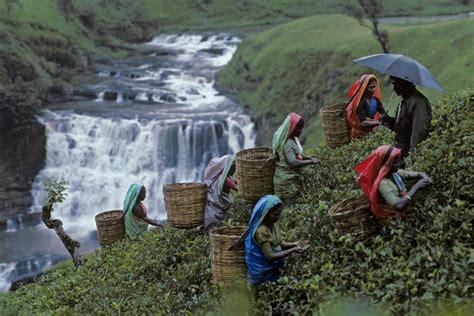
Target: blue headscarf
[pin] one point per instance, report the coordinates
(259, 268)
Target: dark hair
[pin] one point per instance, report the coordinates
(300, 123)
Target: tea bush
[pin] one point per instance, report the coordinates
(422, 264)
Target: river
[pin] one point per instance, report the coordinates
(157, 118)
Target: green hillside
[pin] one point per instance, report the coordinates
(419, 265)
(303, 65)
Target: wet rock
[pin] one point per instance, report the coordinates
(213, 51)
(192, 91)
(110, 95)
(18, 168)
(169, 98)
(89, 94)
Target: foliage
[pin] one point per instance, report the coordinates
(56, 191)
(419, 265)
(372, 10)
(306, 64)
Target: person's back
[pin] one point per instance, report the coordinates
(413, 117)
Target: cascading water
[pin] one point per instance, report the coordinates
(157, 118)
(163, 123)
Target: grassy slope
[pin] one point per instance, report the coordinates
(420, 264)
(37, 29)
(303, 65)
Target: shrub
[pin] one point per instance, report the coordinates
(419, 265)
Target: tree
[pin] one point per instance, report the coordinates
(463, 2)
(9, 4)
(56, 194)
(67, 7)
(371, 10)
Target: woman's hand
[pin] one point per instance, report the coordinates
(423, 182)
(301, 249)
(425, 176)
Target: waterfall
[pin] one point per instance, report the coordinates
(157, 119)
(23, 269)
(100, 157)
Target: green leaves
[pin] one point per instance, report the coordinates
(422, 264)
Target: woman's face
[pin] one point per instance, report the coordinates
(398, 163)
(231, 170)
(370, 90)
(274, 214)
(142, 194)
(298, 129)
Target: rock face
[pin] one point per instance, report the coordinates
(21, 158)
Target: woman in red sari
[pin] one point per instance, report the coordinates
(381, 179)
(364, 107)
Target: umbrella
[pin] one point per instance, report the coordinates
(403, 67)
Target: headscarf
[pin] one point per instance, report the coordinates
(355, 94)
(259, 268)
(371, 173)
(217, 171)
(285, 130)
(215, 176)
(260, 210)
(133, 225)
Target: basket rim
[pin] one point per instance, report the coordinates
(239, 154)
(183, 185)
(327, 107)
(98, 216)
(216, 231)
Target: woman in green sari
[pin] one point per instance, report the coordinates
(135, 212)
(289, 157)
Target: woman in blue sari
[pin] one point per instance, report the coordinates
(135, 213)
(264, 247)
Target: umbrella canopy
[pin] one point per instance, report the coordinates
(403, 67)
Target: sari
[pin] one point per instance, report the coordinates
(286, 178)
(371, 173)
(355, 93)
(215, 176)
(259, 268)
(133, 224)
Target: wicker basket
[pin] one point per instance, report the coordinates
(255, 170)
(353, 216)
(337, 131)
(110, 227)
(227, 265)
(185, 204)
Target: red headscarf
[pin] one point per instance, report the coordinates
(294, 119)
(355, 93)
(371, 172)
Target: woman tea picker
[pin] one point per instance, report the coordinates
(218, 177)
(381, 179)
(264, 247)
(135, 212)
(364, 107)
(289, 157)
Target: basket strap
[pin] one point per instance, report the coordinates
(266, 161)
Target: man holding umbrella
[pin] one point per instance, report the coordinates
(413, 116)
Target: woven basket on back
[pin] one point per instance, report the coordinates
(337, 131)
(353, 215)
(255, 170)
(227, 265)
(110, 227)
(185, 204)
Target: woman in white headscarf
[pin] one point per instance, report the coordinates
(218, 177)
